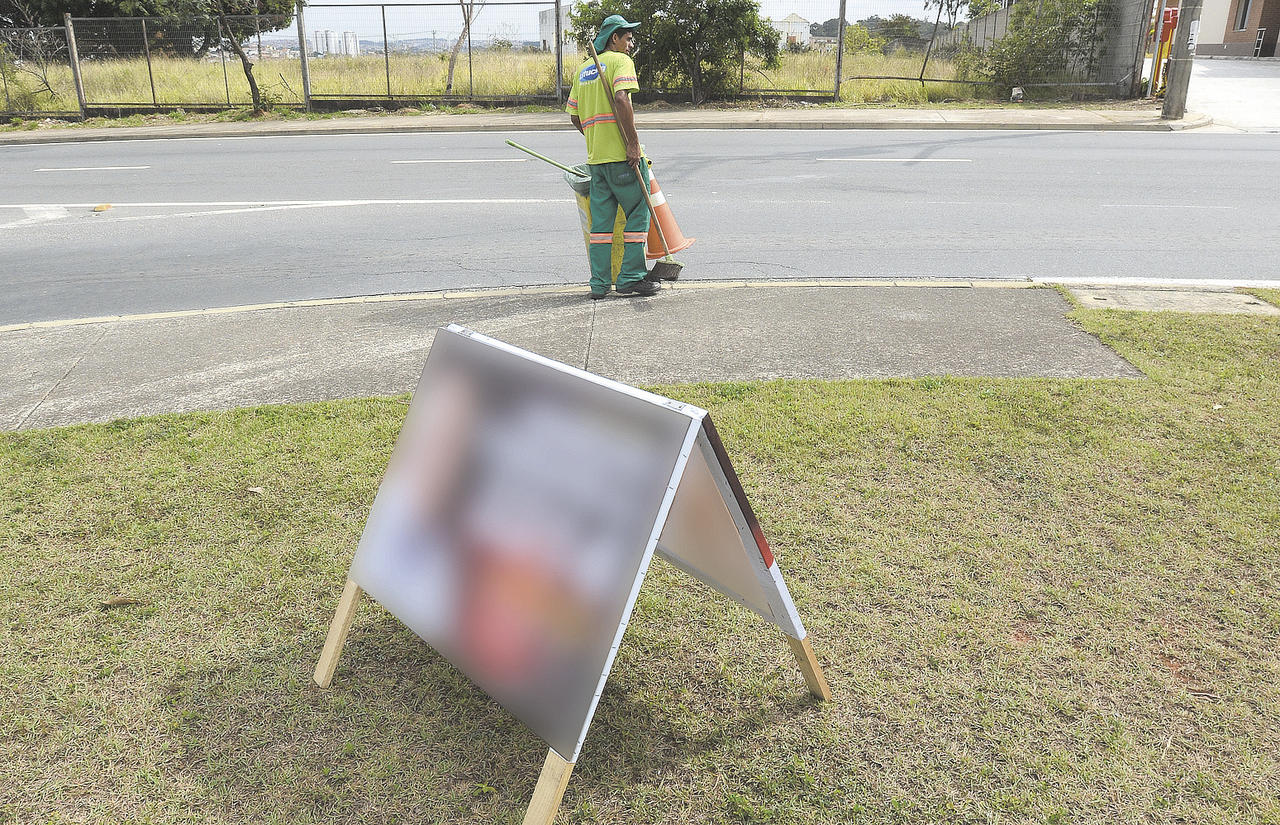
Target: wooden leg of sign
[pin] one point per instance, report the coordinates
(337, 634)
(549, 791)
(809, 667)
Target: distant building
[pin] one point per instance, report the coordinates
(547, 28)
(350, 44)
(317, 42)
(1243, 28)
(332, 45)
(793, 30)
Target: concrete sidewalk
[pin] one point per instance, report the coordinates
(58, 373)
(1146, 118)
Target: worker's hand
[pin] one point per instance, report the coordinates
(634, 155)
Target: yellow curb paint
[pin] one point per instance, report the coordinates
(244, 308)
(765, 284)
(934, 284)
(551, 290)
(412, 296)
(158, 316)
(100, 319)
(1006, 285)
(707, 285)
(481, 293)
(324, 302)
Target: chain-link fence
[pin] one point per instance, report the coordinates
(390, 55)
(35, 72)
(137, 63)
(439, 52)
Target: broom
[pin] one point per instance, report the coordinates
(668, 268)
(554, 163)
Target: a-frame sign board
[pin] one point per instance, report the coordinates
(518, 516)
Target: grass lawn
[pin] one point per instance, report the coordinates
(1035, 600)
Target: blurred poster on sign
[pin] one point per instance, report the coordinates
(519, 513)
(512, 522)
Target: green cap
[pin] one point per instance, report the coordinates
(610, 25)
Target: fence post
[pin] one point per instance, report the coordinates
(559, 57)
(471, 73)
(8, 104)
(386, 50)
(924, 64)
(302, 50)
(222, 52)
(839, 52)
(75, 63)
(146, 48)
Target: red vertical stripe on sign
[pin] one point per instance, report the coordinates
(717, 446)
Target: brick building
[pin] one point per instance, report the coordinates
(1250, 31)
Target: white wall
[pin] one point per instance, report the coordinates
(1213, 22)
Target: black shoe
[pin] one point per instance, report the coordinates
(596, 296)
(641, 288)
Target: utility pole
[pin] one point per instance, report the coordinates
(1184, 50)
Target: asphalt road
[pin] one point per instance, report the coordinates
(200, 223)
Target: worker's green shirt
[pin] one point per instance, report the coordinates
(588, 100)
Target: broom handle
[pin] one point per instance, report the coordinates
(554, 163)
(608, 96)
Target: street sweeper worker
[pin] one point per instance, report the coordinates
(614, 158)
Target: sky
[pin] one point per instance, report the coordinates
(520, 22)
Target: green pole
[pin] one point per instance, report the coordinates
(554, 163)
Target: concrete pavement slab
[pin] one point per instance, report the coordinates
(846, 332)
(33, 364)
(1172, 300)
(208, 361)
(212, 361)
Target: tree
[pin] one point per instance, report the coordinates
(981, 8)
(698, 42)
(469, 12)
(858, 40)
(951, 9)
(827, 28)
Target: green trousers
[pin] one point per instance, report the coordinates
(614, 185)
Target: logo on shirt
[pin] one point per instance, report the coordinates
(588, 74)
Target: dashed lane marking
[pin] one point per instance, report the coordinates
(90, 168)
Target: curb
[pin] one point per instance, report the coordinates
(892, 119)
(501, 292)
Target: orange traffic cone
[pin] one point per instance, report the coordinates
(676, 240)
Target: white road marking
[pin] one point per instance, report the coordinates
(897, 160)
(344, 202)
(37, 214)
(1101, 205)
(89, 168)
(1161, 206)
(466, 160)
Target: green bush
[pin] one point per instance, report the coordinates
(1053, 40)
(858, 39)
